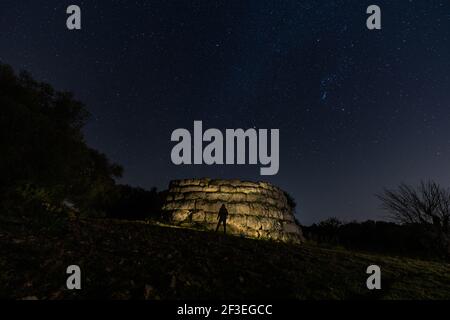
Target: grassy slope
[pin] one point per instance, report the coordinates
(134, 260)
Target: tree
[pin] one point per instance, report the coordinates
(43, 151)
(429, 203)
(133, 203)
(426, 206)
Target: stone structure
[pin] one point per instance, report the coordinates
(256, 209)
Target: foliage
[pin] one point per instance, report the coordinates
(44, 154)
(132, 203)
(427, 205)
(414, 240)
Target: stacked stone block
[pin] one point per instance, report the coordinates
(256, 209)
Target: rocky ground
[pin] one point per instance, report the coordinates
(132, 260)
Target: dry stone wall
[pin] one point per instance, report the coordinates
(256, 209)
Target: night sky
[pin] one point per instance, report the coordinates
(357, 110)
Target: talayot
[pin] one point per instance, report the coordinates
(235, 147)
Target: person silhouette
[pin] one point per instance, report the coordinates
(222, 217)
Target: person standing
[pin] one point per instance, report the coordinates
(222, 217)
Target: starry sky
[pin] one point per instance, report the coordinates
(357, 110)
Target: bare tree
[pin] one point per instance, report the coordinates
(429, 203)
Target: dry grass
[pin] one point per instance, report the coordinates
(132, 260)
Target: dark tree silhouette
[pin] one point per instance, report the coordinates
(43, 152)
(429, 203)
(415, 240)
(428, 206)
(133, 203)
(46, 164)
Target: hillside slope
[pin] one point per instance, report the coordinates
(131, 260)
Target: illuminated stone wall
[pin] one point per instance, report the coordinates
(256, 209)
